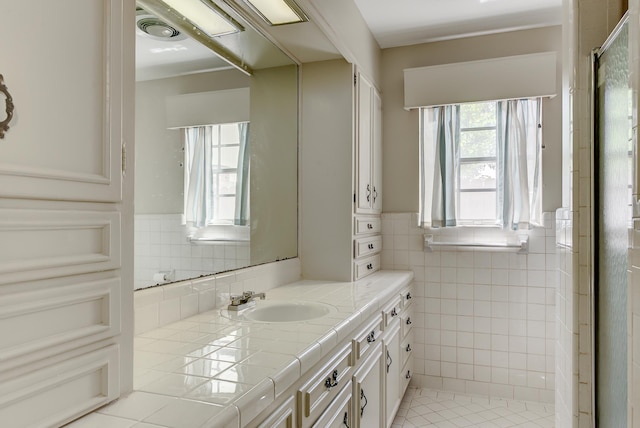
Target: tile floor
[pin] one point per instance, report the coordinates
(442, 409)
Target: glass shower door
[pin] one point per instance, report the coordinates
(612, 219)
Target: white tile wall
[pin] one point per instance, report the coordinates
(161, 246)
(161, 305)
(566, 323)
(485, 319)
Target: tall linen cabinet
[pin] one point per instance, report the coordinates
(66, 211)
(340, 172)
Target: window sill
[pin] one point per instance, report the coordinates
(218, 233)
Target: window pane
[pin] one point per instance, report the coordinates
(478, 144)
(227, 183)
(226, 208)
(473, 115)
(477, 205)
(478, 175)
(215, 157)
(229, 134)
(229, 157)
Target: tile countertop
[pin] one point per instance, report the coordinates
(212, 371)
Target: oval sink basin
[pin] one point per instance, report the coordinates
(282, 311)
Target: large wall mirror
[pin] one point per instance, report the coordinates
(216, 151)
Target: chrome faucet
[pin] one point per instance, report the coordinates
(244, 301)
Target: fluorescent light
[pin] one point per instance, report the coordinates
(278, 12)
(204, 16)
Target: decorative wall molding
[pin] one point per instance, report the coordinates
(40, 244)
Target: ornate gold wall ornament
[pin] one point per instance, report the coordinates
(4, 125)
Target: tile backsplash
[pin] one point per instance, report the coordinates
(161, 246)
(485, 318)
(161, 305)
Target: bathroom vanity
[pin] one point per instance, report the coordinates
(312, 354)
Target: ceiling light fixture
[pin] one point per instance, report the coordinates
(207, 16)
(203, 21)
(278, 12)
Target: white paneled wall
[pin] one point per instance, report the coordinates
(485, 320)
(161, 305)
(161, 246)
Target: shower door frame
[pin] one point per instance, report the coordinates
(596, 53)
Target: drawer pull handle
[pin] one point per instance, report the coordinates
(394, 312)
(389, 361)
(369, 226)
(332, 381)
(371, 337)
(408, 375)
(408, 347)
(345, 420)
(375, 194)
(368, 192)
(370, 246)
(409, 321)
(409, 296)
(363, 397)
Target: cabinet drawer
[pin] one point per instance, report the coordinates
(318, 392)
(366, 266)
(283, 417)
(365, 246)
(407, 297)
(406, 322)
(406, 374)
(367, 338)
(406, 349)
(367, 225)
(391, 311)
(339, 414)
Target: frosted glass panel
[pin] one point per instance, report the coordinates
(612, 221)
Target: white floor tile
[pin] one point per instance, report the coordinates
(432, 408)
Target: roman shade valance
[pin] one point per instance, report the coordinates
(208, 108)
(513, 77)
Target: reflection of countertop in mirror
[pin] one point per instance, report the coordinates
(209, 369)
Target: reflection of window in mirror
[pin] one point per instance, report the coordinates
(216, 181)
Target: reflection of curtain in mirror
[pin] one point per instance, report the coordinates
(242, 181)
(198, 192)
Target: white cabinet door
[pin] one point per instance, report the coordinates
(368, 392)
(392, 370)
(369, 148)
(376, 176)
(364, 147)
(62, 64)
(66, 66)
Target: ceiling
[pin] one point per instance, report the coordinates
(408, 22)
(392, 22)
(158, 57)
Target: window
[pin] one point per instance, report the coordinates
(481, 164)
(477, 171)
(216, 175)
(225, 145)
